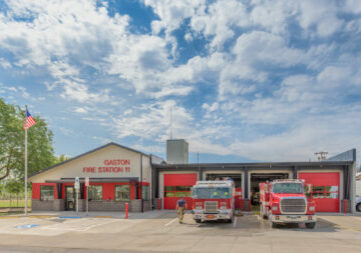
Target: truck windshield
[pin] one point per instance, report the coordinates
(288, 188)
(211, 193)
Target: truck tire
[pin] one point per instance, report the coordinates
(310, 225)
(358, 207)
(274, 225)
(197, 220)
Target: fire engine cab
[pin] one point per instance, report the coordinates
(213, 200)
(284, 201)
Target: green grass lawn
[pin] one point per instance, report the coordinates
(14, 203)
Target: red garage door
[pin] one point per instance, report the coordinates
(325, 190)
(176, 186)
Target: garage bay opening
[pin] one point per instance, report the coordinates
(256, 179)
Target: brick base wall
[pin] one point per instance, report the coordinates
(42, 205)
(103, 205)
(147, 205)
(156, 203)
(58, 205)
(135, 205)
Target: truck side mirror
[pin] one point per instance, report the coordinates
(266, 187)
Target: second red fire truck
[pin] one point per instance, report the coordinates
(213, 200)
(284, 201)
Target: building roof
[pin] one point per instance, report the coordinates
(87, 153)
(252, 165)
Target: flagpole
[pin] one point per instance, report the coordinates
(26, 162)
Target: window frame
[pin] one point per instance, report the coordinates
(89, 192)
(122, 185)
(52, 195)
(145, 193)
(174, 191)
(324, 193)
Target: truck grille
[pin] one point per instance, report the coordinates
(293, 205)
(210, 206)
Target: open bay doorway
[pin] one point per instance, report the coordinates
(257, 178)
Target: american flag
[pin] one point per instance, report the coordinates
(29, 120)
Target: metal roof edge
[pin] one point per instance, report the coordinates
(265, 164)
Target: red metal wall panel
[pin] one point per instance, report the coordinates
(321, 178)
(180, 179)
(324, 179)
(35, 191)
(189, 179)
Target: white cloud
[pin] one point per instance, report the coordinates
(4, 63)
(273, 84)
(152, 122)
(81, 93)
(81, 110)
(323, 14)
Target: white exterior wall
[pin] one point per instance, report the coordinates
(96, 159)
(147, 173)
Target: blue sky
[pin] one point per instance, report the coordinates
(244, 80)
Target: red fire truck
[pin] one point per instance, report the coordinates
(284, 201)
(213, 200)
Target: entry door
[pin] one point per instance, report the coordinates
(69, 198)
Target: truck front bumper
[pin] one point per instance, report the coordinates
(209, 217)
(292, 218)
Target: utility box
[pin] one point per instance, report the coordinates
(177, 151)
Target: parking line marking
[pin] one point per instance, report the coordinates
(235, 222)
(171, 222)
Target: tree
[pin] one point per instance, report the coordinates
(40, 150)
(61, 158)
(14, 186)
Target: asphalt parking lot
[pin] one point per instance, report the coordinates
(159, 231)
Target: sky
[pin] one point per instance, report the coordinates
(241, 81)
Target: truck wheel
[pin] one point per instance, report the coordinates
(311, 225)
(197, 220)
(358, 207)
(274, 225)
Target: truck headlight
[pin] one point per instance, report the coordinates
(223, 207)
(274, 208)
(312, 208)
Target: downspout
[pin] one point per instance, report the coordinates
(141, 182)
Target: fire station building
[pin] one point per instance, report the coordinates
(120, 175)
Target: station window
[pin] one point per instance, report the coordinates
(178, 191)
(321, 192)
(145, 192)
(95, 192)
(122, 192)
(46, 192)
